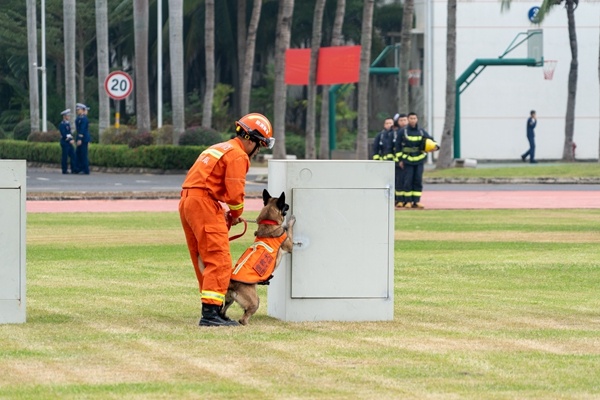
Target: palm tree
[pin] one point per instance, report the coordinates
(69, 42)
(241, 37)
(570, 6)
(142, 95)
(363, 83)
(209, 48)
(103, 67)
(405, 45)
(176, 67)
(336, 40)
(445, 155)
(282, 43)
(246, 77)
(310, 151)
(34, 94)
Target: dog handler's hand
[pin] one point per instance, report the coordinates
(236, 221)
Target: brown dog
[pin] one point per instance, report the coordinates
(259, 261)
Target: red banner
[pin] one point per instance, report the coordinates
(297, 62)
(340, 64)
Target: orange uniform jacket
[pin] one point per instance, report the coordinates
(218, 175)
(221, 169)
(258, 261)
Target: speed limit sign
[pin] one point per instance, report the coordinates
(118, 85)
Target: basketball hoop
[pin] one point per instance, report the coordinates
(414, 77)
(549, 67)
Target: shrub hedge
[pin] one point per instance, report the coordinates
(166, 157)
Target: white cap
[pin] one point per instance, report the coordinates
(66, 112)
(80, 105)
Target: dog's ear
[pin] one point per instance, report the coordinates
(266, 196)
(281, 204)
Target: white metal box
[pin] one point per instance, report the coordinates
(342, 265)
(13, 193)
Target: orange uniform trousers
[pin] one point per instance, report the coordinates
(207, 237)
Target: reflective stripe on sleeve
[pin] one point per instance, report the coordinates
(235, 207)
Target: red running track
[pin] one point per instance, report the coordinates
(433, 200)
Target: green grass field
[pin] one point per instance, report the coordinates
(488, 305)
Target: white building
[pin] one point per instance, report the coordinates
(495, 107)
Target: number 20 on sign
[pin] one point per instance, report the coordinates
(118, 86)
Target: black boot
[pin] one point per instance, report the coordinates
(212, 317)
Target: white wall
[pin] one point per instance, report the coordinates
(495, 107)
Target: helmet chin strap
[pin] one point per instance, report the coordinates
(256, 146)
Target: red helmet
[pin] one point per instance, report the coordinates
(257, 128)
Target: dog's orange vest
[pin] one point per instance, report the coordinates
(258, 261)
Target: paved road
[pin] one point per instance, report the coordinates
(44, 180)
(51, 181)
(50, 191)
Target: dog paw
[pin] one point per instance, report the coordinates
(291, 221)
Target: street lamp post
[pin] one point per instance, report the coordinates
(159, 72)
(43, 68)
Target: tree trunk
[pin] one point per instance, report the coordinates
(405, 47)
(572, 86)
(81, 76)
(176, 67)
(249, 59)
(445, 155)
(34, 94)
(142, 94)
(282, 43)
(209, 46)
(241, 49)
(103, 64)
(311, 108)
(336, 40)
(363, 84)
(69, 43)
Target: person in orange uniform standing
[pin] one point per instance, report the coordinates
(219, 176)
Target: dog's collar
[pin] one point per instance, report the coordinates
(268, 222)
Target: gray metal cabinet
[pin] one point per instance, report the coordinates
(342, 266)
(12, 240)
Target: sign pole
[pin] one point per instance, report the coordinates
(117, 114)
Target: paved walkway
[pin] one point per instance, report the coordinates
(433, 200)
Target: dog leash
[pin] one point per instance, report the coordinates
(234, 237)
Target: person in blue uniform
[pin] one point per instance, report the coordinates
(83, 139)
(531, 123)
(66, 144)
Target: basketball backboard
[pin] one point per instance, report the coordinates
(535, 45)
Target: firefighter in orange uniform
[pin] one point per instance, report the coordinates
(219, 176)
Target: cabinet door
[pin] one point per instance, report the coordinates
(345, 243)
(10, 244)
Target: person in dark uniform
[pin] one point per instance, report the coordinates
(400, 122)
(412, 160)
(83, 139)
(381, 143)
(66, 144)
(531, 123)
